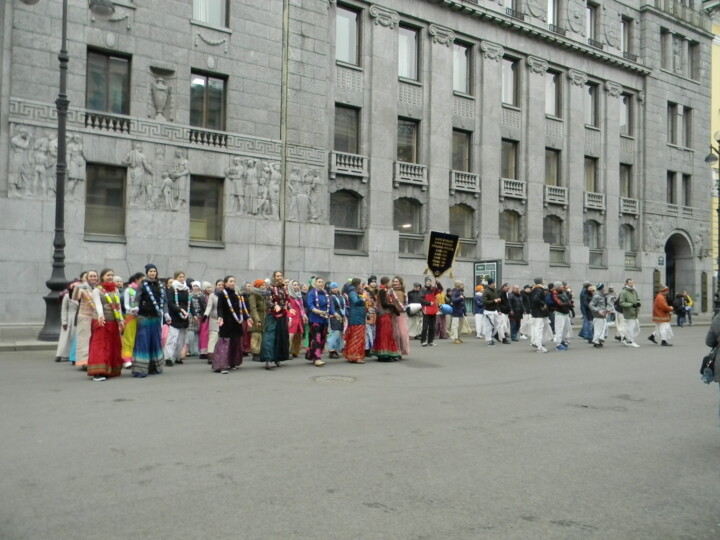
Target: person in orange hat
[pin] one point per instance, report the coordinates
(478, 310)
(662, 311)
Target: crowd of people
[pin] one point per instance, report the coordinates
(149, 323)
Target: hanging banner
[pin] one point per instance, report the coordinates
(441, 252)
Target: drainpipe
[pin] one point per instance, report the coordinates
(283, 128)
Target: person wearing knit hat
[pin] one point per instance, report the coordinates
(661, 315)
(478, 310)
(599, 310)
(150, 266)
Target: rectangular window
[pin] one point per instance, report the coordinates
(672, 125)
(590, 21)
(626, 114)
(213, 12)
(665, 49)
(408, 53)
(107, 83)
(671, 192)
(105, 200)
(693, 66)
(346, 129)
(553, 94)
(552, 167)
(591, 104)
(461, 150)
(686, 132)
(207, 102)
(206, 209)
(626, 26)
(509, 159)
(461, 68)
(510, 81)
(346, 36)
(686, 190)
(553, 12)
(626, 181)
(591, 180)
(407, 141)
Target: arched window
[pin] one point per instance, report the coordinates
(627, 238)
(406, 216)
(461, 220)
(345, 211)
(591, 234)
(510, 226)
(552, 231)
(407, 219)
(510, 232)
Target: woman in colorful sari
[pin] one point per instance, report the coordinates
(256, 306)
(148, 351)
(354, 350)
(131, 311)
(385, 347)
(232, 311)
(105, 356)
(400, 323)
(82, 294)
(320, 310)
(276, 341)
(296, 323)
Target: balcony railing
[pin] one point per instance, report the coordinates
(667, 209)
(349, 165)
(513, 189)
(557, 255)
(514, 251)
(594, 43)
(631, 260)
(464, 181)
(410, 173)
(555, 29)
(556, 195)
(107, 122)
(208, 138)
(595, 201)
(630, 56)
(515, 14)
(629, 206)
(683, 12)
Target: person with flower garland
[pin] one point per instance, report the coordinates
(148, 350)
(82, 294)
(232, 311)
(256, 306)
(296, 323)
(337, 323)
(180, 310)
(105, 357)
(276, 340)
(385, 347)
(320, 310)
(131, 309)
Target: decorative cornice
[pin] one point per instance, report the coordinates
(492, 51)
(613, 89)
(442, 35)
(384, 17)
(537, 65)
(578, 78)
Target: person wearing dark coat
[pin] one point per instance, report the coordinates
(516, 311)
(712, 339)
(539, 313)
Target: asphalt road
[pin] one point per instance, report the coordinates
(456, 442)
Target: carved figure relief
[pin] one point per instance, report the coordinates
(20, 176)
(677, 54)
(234, 177)
(304, 195)
(252, 186)
(315, 202)
(180, 175)
(140, 172)
(75, 166)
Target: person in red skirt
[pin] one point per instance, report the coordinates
(385, 347)
(105, 355)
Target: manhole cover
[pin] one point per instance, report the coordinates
(334, 379)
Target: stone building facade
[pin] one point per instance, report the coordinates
(562, 138)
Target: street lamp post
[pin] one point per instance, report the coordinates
(57, 281)
(711, 159)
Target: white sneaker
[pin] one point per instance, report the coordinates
(127, 365)
(522, 336)
(99, 378)
(542, 349)
(631, 344)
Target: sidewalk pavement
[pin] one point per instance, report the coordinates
(24, 338)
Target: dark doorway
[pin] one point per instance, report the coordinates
(679, 264)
